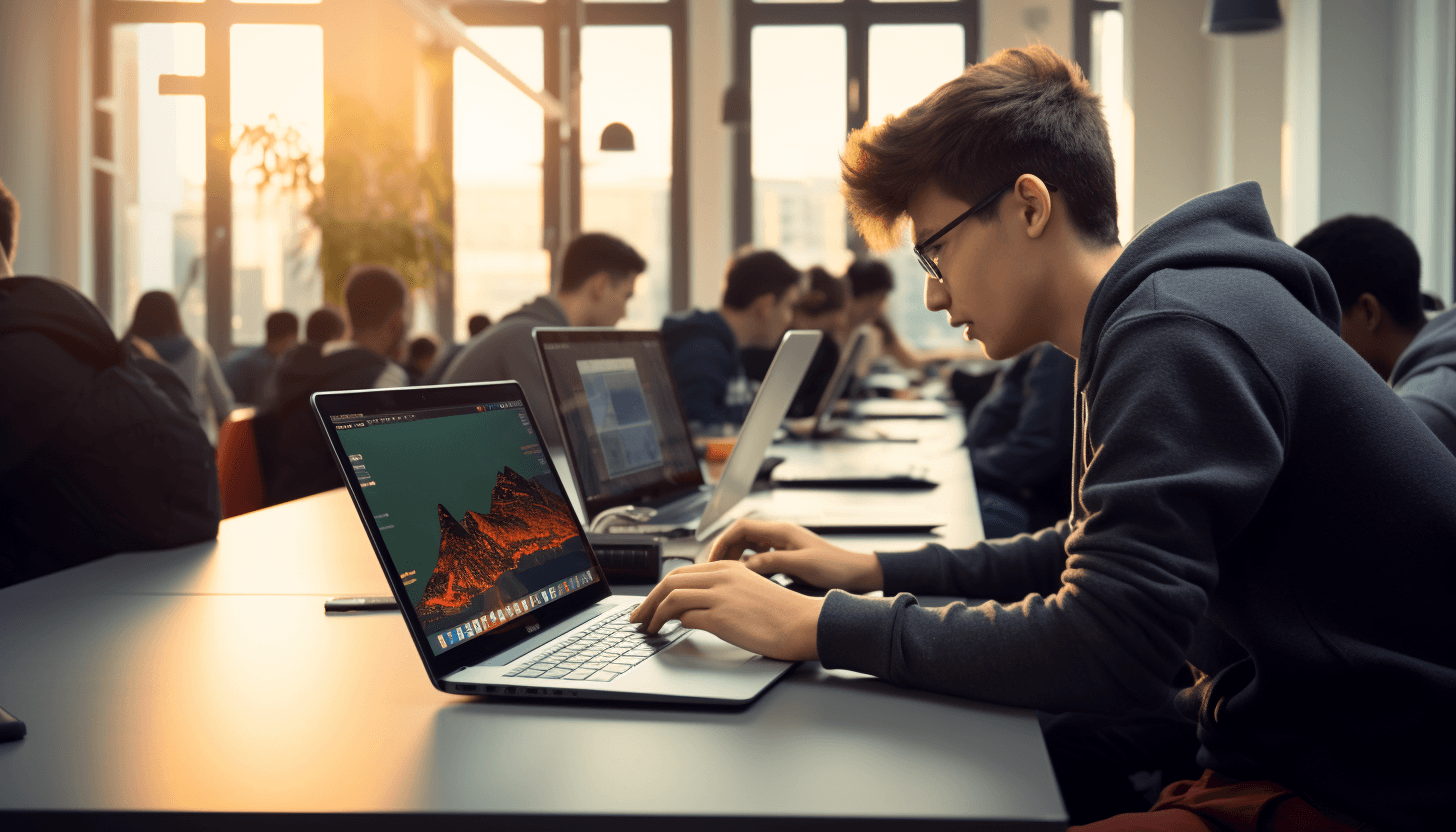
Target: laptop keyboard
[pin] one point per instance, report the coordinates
(599, 652)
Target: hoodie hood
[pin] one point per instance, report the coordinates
(681, 327)
(1227, 229)
(1433, 347)
(545, 309)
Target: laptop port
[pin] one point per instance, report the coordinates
(508, 691)
(490, 688)
(465, 688)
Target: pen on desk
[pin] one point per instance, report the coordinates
(357, 603)
(10, 727)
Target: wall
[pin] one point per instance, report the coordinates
(1006, 24)
(46, 83)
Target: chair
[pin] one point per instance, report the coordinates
(239, 475)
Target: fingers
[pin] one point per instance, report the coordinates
(678, 603)
(759, 535)
(695, 576)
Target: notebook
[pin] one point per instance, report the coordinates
(500, 589)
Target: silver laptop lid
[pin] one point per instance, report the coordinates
(838, 382)
(769, 407)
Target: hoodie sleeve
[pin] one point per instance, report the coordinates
(702, 368)
(1006, 570)
(1184, 435)
(1432, 396)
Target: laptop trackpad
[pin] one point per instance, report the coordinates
(704, 650)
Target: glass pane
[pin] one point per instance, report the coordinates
(160, 145)
(896, 84)
(499, 134)
(1108, 81)
(799, 115)
(627, 77)
(277, 85)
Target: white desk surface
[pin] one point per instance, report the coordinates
(161, 688)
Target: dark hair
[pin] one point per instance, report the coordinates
(867, 277)
(156, 316)
(825, 293)
(323, 325)
(1431, 303)
(597, 252)
(758, 273)
(371, 294)
(423, 347)
(1369, 254)
(9, 222)
(281, 325)
(1021, 111)
(477, 323)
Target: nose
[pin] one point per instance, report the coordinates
(936, 296)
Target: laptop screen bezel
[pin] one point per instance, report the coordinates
(663, 489)
(405, 399)
(838, 383)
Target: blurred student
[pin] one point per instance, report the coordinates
(704, 346)
(1248, 498)
(870, 283)
(1377, 275)
(247, 370)
(422, 352)
(824, 306)
(475, 325)
(293, 453)
(323, 325)
(102, 452)
(598, 276)
(158, 322)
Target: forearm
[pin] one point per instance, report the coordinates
(1005, 570)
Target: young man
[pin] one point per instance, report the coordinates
(1377, 275)
(295, 457)
(246, 371)
(1249, 497)
(704, 347)
(598, 276)
(101, 450)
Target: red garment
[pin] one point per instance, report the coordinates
(1217, 804)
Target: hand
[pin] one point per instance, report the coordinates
(796, 551)
(738, 606)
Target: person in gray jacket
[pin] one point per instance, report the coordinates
(1377, 275)
(1249, 501)
(598, 276)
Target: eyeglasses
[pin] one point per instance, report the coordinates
(927, 261)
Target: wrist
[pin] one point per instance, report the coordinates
(806, 641)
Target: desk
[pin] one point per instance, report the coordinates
(204, 686)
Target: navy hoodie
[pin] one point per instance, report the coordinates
(1425, 377)
(703, 354)
(1247, 497)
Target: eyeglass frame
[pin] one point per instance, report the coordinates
(931, 267)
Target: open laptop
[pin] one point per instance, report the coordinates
(638, 451)
(500, 590)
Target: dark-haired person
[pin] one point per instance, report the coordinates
(479, 321)
(1377, 275)
(822, 306)
(1248, 497)
(158, 322)
(422, 353)
(247, 370)
(323, 325)
(476, 324)
(870, 283)
(101, 451)
(598, 276)
(703, 346)
(293, 453)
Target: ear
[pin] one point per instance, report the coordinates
(763, 305)
(1366, 314)
(1033, 204)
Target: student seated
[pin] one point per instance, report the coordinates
(704, 346)
(158, 322)
(292, 452)
(246, 370)
(598, 276)
(1377, 275)
(475, 325)
(823, 306)
(422, 352)
(101, 451)
(1020, 439)
(1247, 498)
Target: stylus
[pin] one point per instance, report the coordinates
(359, 603)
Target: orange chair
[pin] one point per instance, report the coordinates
(238, 473)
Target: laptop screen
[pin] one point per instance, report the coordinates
(619, 415)
(471, 513)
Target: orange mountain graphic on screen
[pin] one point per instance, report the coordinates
(524, 518)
